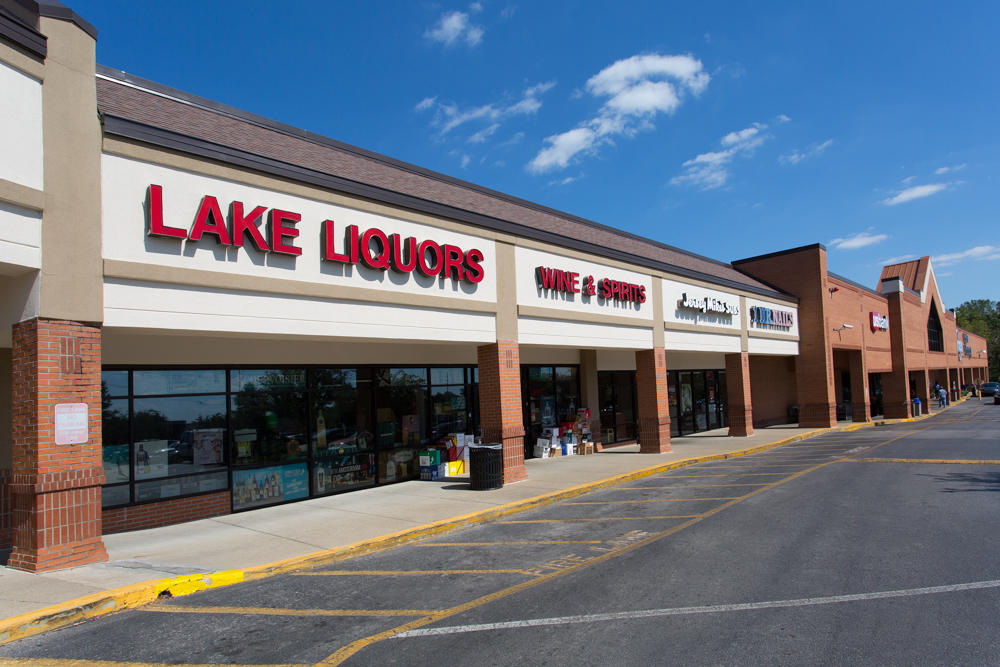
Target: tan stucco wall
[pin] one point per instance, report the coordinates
(71, 221)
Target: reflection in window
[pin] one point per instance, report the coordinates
(269, 416)
(342, 440)
(177, 435)
(152, 383)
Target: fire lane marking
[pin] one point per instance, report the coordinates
(707, 609)
(655, 500)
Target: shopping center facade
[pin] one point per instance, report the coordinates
(205, 311)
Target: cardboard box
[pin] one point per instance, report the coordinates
(455, 468)
(542, 448)
(433, 473)
(430, 457)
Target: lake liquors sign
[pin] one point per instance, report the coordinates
(274, 231)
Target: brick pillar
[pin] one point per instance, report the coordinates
(55, 488)
(921, 378)
(500, 404)
(896, 385)
(861, 409)
(738, 398)
(652, 401)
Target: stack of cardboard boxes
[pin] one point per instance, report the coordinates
(567, 439)
(449, 458)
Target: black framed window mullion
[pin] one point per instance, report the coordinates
(131, 441)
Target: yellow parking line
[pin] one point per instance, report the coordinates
(504, 544)
(267, 611)
(728, 474)
(968, 462)
(755, 464)
(685, 486)
(656, 500)
(48, 662)
(608, 518)
(397, 573)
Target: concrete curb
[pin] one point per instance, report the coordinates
(136, 595)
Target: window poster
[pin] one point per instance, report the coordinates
(245, 439)
(548, 410)
(267, 486)
(208, 446)
(150, 459)
(346, 471)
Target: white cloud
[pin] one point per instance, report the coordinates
(711, 170)
(797, 156)
(465, 161)
(859, 240)
(915, 192)
(979, 253)
(483, 134)
(945, 170)
(562, 148)
(782, 118)
(635, 90)
(898, 260)
(908, 180)
(564, 181)
(454, 27)
(448, 116)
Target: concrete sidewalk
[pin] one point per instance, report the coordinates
(264, 536)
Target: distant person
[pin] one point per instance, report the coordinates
(942, 397)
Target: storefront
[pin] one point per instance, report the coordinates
(274, 435)
(618, 407)
(236, 313)
(697, 401)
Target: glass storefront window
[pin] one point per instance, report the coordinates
(268, 416)
(274, 434)
(178, 435)
(342, 440)
(697, 401)
(115, 445)
(551, 395)
(617, 396)
(151, 383)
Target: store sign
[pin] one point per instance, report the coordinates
(570, 282)
(71, 424)
(879, 322)
(760, 316)
(708, 305)
(371, 247)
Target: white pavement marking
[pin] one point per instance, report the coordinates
(681, 611)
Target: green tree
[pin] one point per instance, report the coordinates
(982, 317)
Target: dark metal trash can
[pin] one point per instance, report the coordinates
(486, 467)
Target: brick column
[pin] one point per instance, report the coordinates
(861, 409)
(896, 385)
(652, 401)
(922, 378)
(738, 398)
(500, 404)
(55, 489)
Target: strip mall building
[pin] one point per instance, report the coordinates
(204, 311)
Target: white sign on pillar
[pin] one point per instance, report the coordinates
(71, 424)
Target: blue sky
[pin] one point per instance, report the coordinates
(727, 129)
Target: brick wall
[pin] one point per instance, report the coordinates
(500, 404)
(774, 389)
(165, 512)
(5, 530)
(802, 272)
(652, 401)
(55, 489)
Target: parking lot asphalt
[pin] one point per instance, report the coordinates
(874, 546)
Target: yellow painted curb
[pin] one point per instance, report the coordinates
(136, 595)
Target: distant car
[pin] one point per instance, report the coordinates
(990, 388)
(996, 398)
